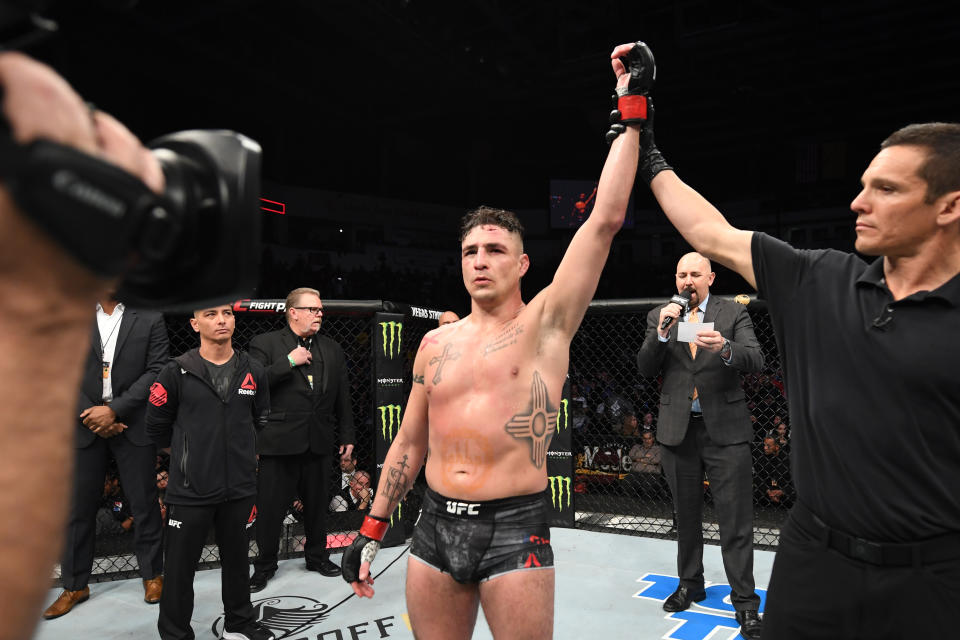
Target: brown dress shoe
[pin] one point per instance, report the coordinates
(152, 590)
(64, 603)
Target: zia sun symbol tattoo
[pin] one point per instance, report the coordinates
(539, 423)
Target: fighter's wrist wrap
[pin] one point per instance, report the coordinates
(651, 161)
(632, 108)
(374, 528)
(364, 547)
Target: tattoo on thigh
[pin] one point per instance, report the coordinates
(539, 423)
(442, 359)
(418, 379)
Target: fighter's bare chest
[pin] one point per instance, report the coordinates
(477, 361)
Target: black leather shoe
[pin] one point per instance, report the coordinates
(259, 580)
(325, 568)
(680, 599)
(750, 624)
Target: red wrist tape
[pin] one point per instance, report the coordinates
(374, 528)
(632, 107)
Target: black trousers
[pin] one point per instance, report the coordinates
(138, 479)
(281, 478)
(187, 527)
(818, 593)
(729, 469)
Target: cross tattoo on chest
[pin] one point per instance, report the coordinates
(443, 359)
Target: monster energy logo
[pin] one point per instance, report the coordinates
(389, 416)
(396, 337)
(556, 491)
(399, 513)
(563, 423)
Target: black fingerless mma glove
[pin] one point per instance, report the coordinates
(364, 547)
(630, 102)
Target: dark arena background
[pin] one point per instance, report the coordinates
(383, 121)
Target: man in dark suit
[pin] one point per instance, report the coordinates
(704, 425)
(127, 351)
(310, 417)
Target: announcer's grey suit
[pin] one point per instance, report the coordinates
(716, 442)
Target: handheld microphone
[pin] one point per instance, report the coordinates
(682, 299)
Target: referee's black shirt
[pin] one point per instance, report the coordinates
(875, 410)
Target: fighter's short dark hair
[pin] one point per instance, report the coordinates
(489, 215)
(941, 141)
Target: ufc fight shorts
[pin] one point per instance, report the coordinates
(477, 541)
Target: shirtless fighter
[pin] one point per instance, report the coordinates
(483, 409)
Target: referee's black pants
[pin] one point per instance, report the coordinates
(818, 593)
(729, 469)
(279, 480)
(187, 527)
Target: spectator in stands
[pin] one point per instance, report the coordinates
(114, 516)
(781, 433)
(447, 317)
(129, 349)
(646, 454)
(772, 470)
(629, 428)
(614, 410)
(163, 476)
(646, 473)
(578, 408)
(348, 465)
(356, 497)
(648, 424)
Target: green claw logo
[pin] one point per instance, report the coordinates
(389, 417)
(557, 484)
(395, 330)
(564, 423)
(399, 513)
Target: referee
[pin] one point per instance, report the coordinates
(872, 547)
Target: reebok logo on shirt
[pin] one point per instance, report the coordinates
(248, 387)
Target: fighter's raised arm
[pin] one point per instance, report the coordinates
(566, 298)
(698, 221)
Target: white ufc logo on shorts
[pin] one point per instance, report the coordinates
(459, 508)
(175, 523)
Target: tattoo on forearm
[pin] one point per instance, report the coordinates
(539, 423)
(398, 482)
(506, 338)
(418, 379)
(442, 359)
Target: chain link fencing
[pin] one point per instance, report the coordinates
(618, 479)
(617, 485)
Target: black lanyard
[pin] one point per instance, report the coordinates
(103, 343)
